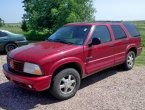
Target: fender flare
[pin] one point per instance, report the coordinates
(130, 46)
(65, 61)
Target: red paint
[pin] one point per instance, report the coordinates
(51, 55)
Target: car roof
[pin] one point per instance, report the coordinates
(96, 23)
(8, 32)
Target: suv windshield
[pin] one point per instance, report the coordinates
(71, 35)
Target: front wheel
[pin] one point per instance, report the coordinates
(65, 84)
(130, 60)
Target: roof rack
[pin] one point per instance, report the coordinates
(110, 21)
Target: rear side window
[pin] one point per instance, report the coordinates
(102, 33)
(118, 32)
(132, 29)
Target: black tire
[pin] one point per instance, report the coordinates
(10, 46)
(129, 65)
(59, 82)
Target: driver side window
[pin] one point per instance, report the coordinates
(102, 33)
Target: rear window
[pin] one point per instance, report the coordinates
(132, 29)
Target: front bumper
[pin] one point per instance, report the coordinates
(34, 83)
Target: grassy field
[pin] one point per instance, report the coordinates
(140, 60)
(141, 27)
(13, 27)
(16, 28)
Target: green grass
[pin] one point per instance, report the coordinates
(142, 32)
(13, 27)
(140, 60)
(141, 27)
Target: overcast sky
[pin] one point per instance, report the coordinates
(11, 10)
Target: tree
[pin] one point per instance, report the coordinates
(1, 22)
(24, 26)
(52, 14)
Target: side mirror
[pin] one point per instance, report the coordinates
(95, 41)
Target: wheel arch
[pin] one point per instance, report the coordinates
(10, 43)
(67, 63)
(134, 49)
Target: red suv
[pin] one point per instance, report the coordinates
(72, 53)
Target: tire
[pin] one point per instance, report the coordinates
(65, 84)
(10, 46)
(130, 60)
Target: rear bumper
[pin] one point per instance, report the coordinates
(34, 83)
(139, 50)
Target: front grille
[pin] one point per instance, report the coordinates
(15, 65)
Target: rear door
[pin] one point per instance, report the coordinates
(100, 56)
(120, 43)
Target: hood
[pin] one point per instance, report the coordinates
(38, 51)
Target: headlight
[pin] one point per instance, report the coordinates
(32, 69)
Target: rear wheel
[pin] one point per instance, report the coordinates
(10, 47)
(130, 60)
(65, 84)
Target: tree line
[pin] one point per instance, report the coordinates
(51, 14)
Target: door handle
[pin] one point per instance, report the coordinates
(89, 58)
(112, 45)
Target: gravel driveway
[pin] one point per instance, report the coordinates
(110, 89)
